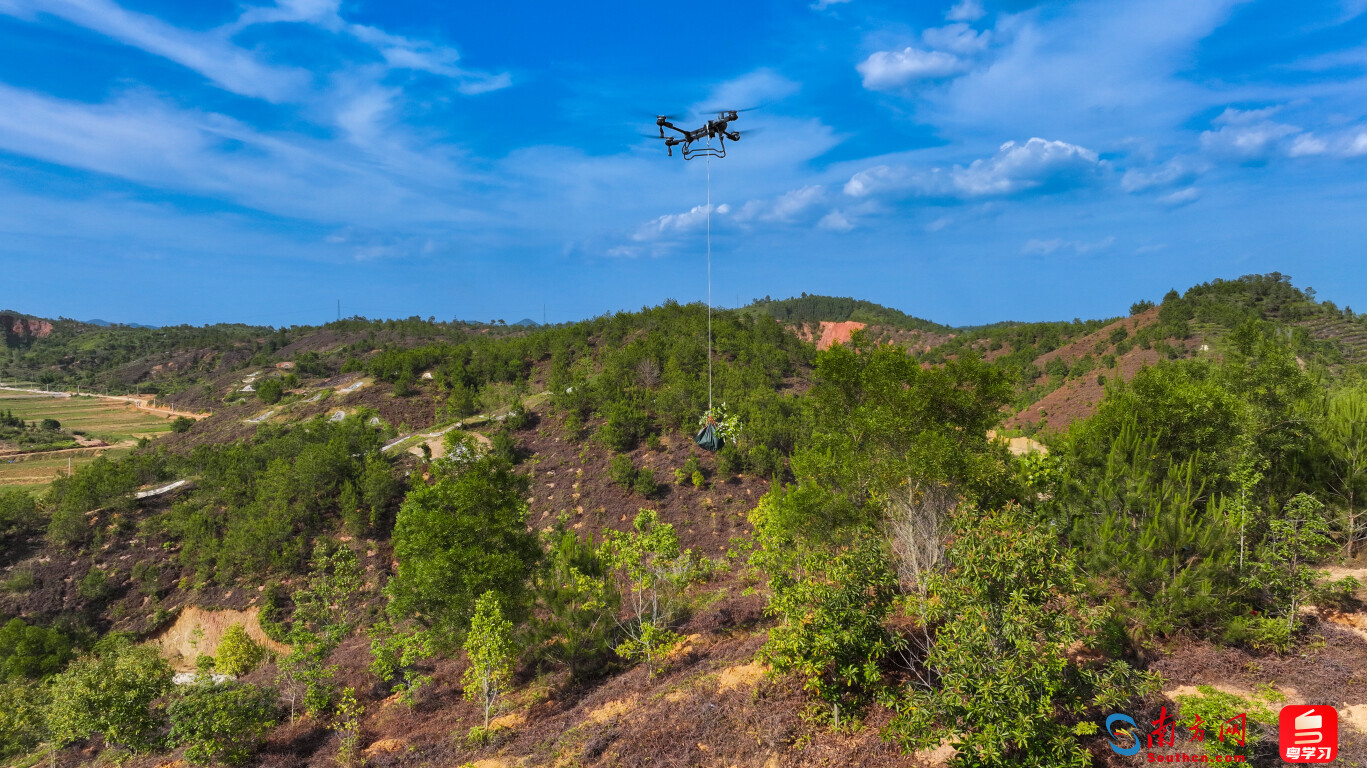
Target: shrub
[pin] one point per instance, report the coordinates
(182, 424)
(270, 391)
(238, 654)
(110, 692)
(832, 630)
(94, 585)
(18, 513)
(50, 425)
(698, 479)
(20, 581)
(621, 470)
(221, 722)
(645, 483)
(22, 725)
(1009, 611)
(1143, 305)
(31, 652)
(1261, 633)
(691, 466)
(653, 442)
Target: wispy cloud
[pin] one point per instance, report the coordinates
(1036, 166)
(1035, 247)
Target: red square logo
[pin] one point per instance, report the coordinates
(1308, 733)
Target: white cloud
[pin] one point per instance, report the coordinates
(891, 69)
(1037, 247)
(1034, 164)
(1307, 144)
(787, 207)
(836, 221)
(1038, 166)
(1177, 171)
(1358, 146)
(939, 224)
(966, 10)
(676, 223)
(233, 68)
(822, 5)
(1180, 197)
(958, 38)
(151, 142)
(1244, 140)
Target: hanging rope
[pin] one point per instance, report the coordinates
(709, 280)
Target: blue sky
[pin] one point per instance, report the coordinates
(966, 161)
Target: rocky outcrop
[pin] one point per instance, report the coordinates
(20, 331)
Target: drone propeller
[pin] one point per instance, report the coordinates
(750, 131)
(723, 110)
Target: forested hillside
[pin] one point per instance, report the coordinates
(415, 543)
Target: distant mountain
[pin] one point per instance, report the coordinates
(528, 322)
(107, 324)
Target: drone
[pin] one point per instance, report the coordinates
(712, 129)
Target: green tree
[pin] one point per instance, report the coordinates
(831, 626)
(491, 653)
(270, 391)
(458, 538)
(1343, 429)
(110, 692)
(1008, 611)
(19, 514)
(579, 601)
(238, 653)
(323, 617)
(396, 655)
(23, 717)
(31, 652)
(1283, 569)
(654, 572)
(221, 722)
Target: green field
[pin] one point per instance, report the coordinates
(111, 421)
(36, 474)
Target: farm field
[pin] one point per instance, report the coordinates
(35, 474)
(109, 420)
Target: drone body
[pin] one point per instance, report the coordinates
(712, 129)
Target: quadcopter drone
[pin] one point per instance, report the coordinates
(713, 129)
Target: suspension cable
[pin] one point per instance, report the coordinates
(709, 280)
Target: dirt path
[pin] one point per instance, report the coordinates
(141, 403)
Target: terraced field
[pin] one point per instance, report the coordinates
(114, 422)
(108, 420)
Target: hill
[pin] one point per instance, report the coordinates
(852, 556)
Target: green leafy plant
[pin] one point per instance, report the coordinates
(1282, 571)
(221, 722)
(621, 470)
(831, 626)
(653, 572)
(396, 655)
(489, 647)
(238, 653)
(110, 692)
(1008, 610)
